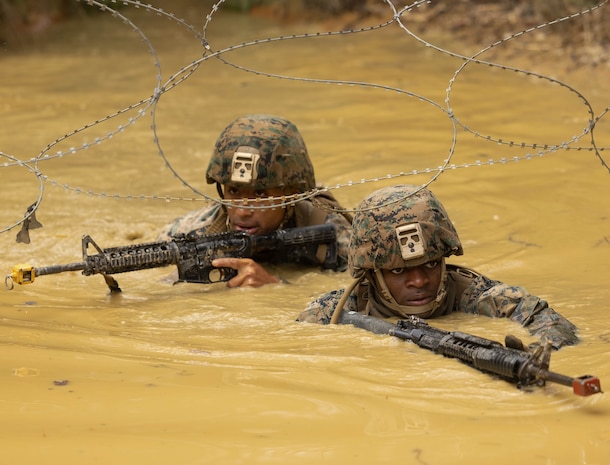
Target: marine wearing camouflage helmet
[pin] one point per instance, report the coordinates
(263, 152)
(262, 157)
(401, 237)
(401, 227)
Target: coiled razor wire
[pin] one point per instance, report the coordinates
(399, 16)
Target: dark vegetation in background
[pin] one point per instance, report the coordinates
(584, 40)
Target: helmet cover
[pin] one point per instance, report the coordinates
(261, 152)
(399, 227)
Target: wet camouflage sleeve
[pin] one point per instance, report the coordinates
(496, 299)
(196, 219)
(321, 310)
(344, 231)
(483, 297)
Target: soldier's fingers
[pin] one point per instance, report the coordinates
(231, 262)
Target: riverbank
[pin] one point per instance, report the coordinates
(581, 41)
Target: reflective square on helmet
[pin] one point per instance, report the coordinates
(411, 241)
(243, 166)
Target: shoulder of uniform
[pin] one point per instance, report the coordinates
(458, 271)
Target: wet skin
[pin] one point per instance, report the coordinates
(414, 286)
(255, 222)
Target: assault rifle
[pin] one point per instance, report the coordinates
(193, 254)
(513, 365)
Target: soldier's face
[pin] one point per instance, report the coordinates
(254, 221)
(414, 286)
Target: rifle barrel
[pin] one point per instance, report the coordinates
(53, 269)
(581, 386)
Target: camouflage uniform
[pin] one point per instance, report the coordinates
(262, 152)
(374, 246)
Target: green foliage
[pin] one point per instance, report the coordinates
(242, 5)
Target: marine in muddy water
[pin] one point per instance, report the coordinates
(401, 238)
(257, 160)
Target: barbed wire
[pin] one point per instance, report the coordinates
(398, 16)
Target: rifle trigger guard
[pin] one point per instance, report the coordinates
(214, 274)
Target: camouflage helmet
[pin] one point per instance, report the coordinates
(400, 226)
(261, 152)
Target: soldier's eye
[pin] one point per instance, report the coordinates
(260, 194)
(397, 270)
(432, 264)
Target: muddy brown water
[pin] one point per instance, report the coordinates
(192, 374)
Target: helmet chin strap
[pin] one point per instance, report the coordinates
(422, 311)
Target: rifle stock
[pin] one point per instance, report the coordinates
(517, 366)
(193, 255)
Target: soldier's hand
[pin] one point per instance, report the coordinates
(249, 272)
